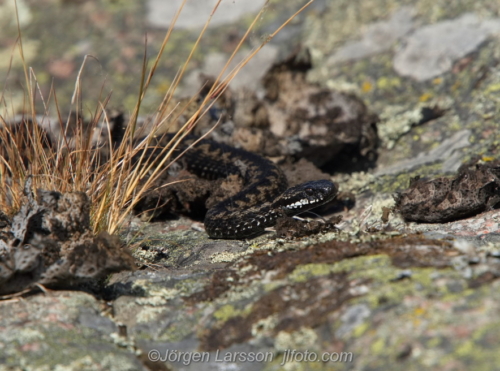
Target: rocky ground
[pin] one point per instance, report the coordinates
(380, 292)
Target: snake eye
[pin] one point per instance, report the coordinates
(309, 191)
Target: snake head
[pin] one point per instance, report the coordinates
(306, 196)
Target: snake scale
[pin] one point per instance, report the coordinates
(264, 197)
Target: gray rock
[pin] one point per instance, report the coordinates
(61, 330)
(351, 318)
(432, 50)
(196, 12)
(251, 74)
(444, 152)
(377, 37)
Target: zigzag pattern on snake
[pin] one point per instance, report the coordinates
(264, 197)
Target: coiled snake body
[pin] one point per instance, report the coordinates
(265, 196)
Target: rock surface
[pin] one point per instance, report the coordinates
(433, 49)
(378, 294)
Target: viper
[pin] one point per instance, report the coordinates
(265, 196)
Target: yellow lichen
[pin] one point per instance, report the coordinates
(366, 87)
(226, 312)
(425, 97)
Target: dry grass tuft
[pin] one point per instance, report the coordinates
(114, 185)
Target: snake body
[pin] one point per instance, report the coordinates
(264, 197)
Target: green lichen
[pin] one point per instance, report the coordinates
(302, 339)
(226, 312)
(305, 272)
(390, 184)
(84, 349)
(381, 273)
(224, 257)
